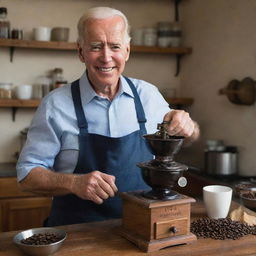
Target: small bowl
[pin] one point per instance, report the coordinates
(249, 199)
(39, 250)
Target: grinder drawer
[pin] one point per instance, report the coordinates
(176, 227)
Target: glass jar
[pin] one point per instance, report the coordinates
(4, 23)
(6, 90)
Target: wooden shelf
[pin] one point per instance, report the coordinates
(37, 44)
(72, 46)
(16, 103)
(180, 101)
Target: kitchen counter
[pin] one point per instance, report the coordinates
(99, 238)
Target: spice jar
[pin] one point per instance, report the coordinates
(4, 23)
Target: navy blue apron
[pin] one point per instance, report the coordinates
(114, 156)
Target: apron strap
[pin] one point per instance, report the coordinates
(139, 108)
(81, 120)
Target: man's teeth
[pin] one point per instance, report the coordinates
(105, 69)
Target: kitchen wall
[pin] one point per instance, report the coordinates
(222, 35)
(29, 64)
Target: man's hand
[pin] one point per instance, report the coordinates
(180, 124)
(95, 186)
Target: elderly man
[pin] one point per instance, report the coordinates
(86, 138)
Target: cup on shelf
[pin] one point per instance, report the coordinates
(217, 200)
(60, 34)
(23, 91)
(42, 33)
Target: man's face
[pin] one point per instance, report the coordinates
(104, 50)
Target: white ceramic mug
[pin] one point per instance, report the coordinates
(217, 200)
(42, 33)
(24, 91)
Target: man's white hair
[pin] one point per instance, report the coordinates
(101, 13)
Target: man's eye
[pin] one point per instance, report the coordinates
(95, 47)
(116, 47)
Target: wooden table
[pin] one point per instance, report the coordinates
(102, 239)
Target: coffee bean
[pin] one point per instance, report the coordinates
(221, 229)
(41, 239)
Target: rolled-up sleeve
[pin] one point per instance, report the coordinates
(43, 142)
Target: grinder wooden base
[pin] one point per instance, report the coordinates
(156, 224)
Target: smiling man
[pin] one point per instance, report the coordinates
(86, 137)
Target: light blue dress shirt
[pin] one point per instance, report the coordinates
(52, 140)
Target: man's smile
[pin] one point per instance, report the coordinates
(103, 69)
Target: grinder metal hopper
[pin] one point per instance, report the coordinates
(162, 173)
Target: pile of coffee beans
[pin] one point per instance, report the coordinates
(221, 229)
(249, 194)
(41, 239)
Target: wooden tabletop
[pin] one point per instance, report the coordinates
(103, 239)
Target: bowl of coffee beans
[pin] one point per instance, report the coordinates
(40, 241)
(244, 186)
(248, 198)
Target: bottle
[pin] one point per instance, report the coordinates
(4, 23)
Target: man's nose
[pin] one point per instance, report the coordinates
(106, 54)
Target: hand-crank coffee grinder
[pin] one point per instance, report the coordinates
(161, 217)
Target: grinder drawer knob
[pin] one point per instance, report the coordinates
(173, 229)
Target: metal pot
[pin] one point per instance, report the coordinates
(222, 162)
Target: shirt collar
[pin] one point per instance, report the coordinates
(86, 90)
(88, 93)
(125, 87)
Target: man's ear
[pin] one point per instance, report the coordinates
(80, 52)
(128, 49)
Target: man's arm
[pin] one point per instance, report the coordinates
(95, 186)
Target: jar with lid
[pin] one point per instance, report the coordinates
(150, 36)
(57, 78)
(164, 34)
(4, 23)
(6, 90)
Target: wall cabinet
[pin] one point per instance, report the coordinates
(20, 210)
